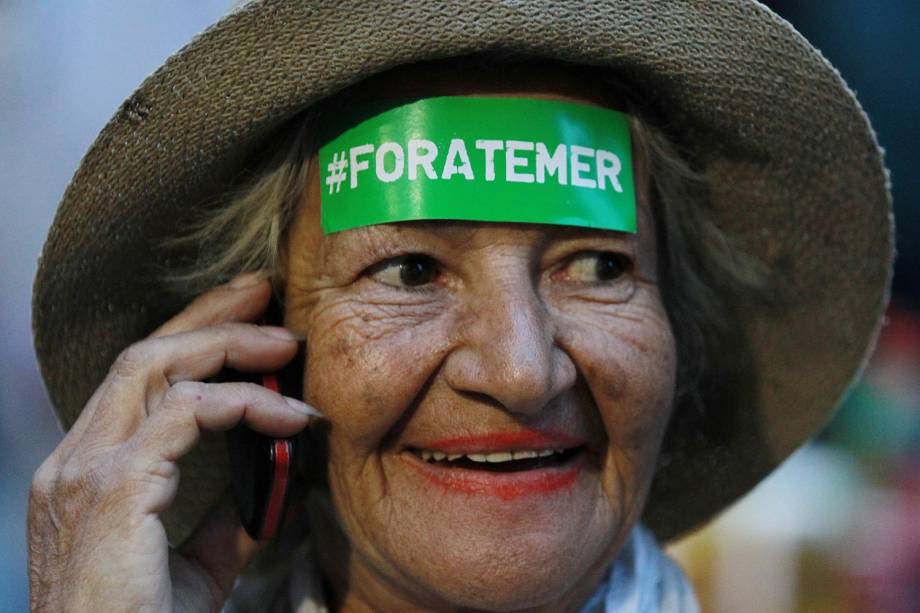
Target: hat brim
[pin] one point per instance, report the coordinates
(796, 174)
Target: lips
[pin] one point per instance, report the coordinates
(506, 465)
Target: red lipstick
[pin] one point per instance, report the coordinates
(504, 485)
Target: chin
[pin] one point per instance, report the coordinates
(492, 554)
(454, 537)
(514, 575)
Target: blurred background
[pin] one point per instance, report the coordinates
(836, 528)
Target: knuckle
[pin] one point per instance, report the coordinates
(183, 392)
(77, 480)
(43, 481)
(59, 497)
(134, 360)
(243, 392)
(241, 327)
(226, 330)
(157, 471)
(248, 396)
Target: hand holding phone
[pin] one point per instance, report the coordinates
(116, 472)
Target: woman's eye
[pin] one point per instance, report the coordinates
(597, 267)
(410, 270)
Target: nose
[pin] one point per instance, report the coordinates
(509, 350)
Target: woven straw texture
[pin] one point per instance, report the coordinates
(796, 172)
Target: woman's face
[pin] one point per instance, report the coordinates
(441, 350)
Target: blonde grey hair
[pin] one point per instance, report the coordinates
(244, 229)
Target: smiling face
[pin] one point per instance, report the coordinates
(496, 392)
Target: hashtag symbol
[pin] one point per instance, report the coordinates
(336, 170)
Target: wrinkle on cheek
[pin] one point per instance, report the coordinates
(627, 356)
(363, 322)
(629, 370)
(640, 324)
(302, 296)
(629, 473)
(370, 361)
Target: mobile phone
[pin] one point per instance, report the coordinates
(264, 469)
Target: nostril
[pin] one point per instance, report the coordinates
(481, 398)
(507, 354)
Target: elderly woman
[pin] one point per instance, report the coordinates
(570, 277)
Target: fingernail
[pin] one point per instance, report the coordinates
(247, 279)
(303, 407)
(282, 334)
(300, 336)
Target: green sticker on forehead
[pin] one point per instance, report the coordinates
(482, 159)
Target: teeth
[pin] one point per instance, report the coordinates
(501, 456)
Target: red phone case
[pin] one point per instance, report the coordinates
(263, 468)
(281, 453)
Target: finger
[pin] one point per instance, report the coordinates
(221, 406)
(243, 299)
(203, 353)
(143, 373)
(221, 549)
(174, 428)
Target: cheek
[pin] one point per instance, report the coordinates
(366, 362)
(627, 355)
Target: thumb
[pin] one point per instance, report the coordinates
(220, 549)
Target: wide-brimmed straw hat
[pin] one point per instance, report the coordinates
(795, 173)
